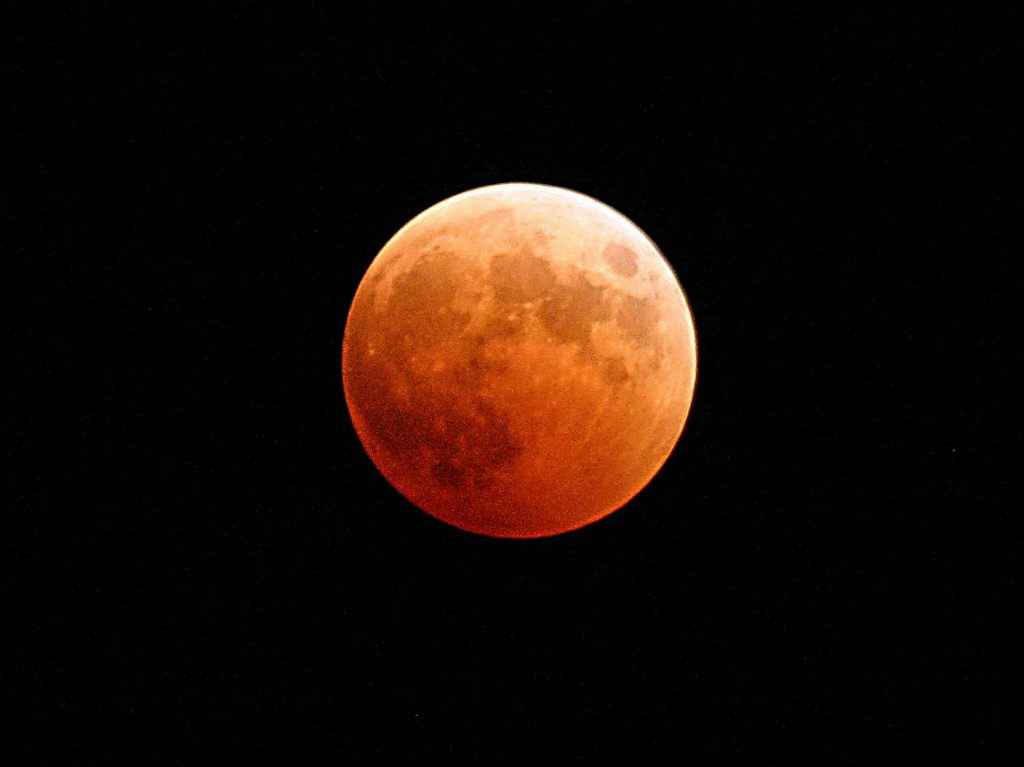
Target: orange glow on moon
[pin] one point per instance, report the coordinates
(519, 360)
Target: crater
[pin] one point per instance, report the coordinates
(481, 362)
(447, 473)
(613, 370)
(423, 297)
(520, 277)
(637, 318)
(570, 311)
(469, 447)
(454, 437)
(621, 259)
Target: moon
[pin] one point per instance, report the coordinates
(519, 360)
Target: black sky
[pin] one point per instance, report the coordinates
(214, 567)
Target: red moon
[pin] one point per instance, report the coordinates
(519, 360)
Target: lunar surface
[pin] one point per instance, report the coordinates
(519, 360)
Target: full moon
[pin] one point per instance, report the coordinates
(519, 360)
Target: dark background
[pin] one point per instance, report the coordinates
(215, 568)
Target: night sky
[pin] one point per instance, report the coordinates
(209, 565)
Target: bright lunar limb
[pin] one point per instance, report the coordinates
(519, 360)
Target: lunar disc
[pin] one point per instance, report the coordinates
(519, 360)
